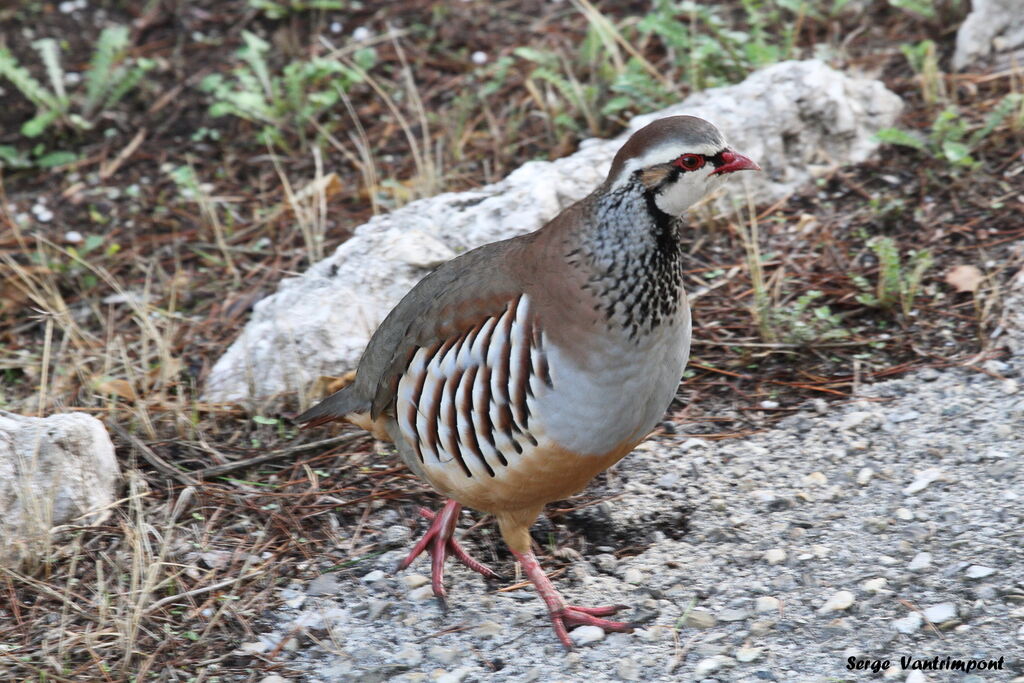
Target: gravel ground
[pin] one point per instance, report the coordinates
(891, 526)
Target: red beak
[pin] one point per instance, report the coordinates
(734, 161)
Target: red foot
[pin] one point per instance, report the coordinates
(562, 615)
(586, 616)
(440, 542)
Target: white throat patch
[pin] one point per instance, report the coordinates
(692, 186)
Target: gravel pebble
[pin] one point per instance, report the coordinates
(977, 571)
(837, 603)
(748, 654)
(923, 480)
(633, 575)
(415, 580)
(941, 613)
(421, 593)
(699, 618)
(766, 603)
(920, 562)
(711, 664)
(489, 629)
(586, 635)
(775, 556)
(374, 576)
(733, 615)
(409, 655)
(628, 669)
(876, 585)
(908, 624)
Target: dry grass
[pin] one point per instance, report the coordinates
(220, 510)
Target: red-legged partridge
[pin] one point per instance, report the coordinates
(513, 374)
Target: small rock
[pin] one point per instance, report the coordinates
(654, 633)
(711, 664)
(920, 562)
(733, 615)
(700, 618)
(766, 604)
(421, 593)
(585, 635)
(633, 575)
(761, 627)
(837, 603)
(815, 479)
(489, 629)
(941, 613)
(977, 571)
(748, 654)
(904, 514)
(445, 655)
(864, 476)
(905, 416)
(1010, 386)
(628, 669)
(876, 585)
(409, 655)
(456, 676)
(606, 562)
(775, 556)
(415, 580)
(374, 576)
(667, 481)
(923, 479)
(397, 535)
(908, 624)
(854, 419)
(254, 648)
(928, 374)
(375, 608)
(274, 678)
(916, 677)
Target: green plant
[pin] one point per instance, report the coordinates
(951, 139)
(896, 283)
(923, 8)
(286, 103)
(718, 51)
(803, 323)
(111, 76)
(924, 60)
(608, 76)
(280, 9)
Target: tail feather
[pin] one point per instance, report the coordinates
(334, 407)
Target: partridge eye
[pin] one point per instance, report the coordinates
(690, 162)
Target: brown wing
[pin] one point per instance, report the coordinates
(445, 304)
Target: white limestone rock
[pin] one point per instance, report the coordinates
(797, 119)
(994, 27)
(55, 470)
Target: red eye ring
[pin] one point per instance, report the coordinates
(689, 162)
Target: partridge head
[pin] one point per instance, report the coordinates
(510, 376)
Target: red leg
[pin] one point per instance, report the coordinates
(440, 542)
(562, 614)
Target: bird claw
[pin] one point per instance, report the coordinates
(439, 542)
(572, 615)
